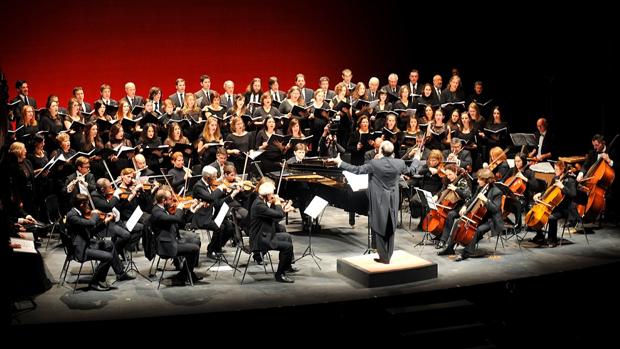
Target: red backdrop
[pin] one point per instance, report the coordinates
(57, 45)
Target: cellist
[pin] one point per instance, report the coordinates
(462, 188)
(491, 196)
(566, 209)
(515, 204)
(599, 151)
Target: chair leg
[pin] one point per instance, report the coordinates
(65, 268)
(585, 233)
(189, 274)
(236, 259)
(78, 277)
(270, 262)
(49, 237)
(246, 267)
(162, 272)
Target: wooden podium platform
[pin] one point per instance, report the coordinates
(403, 268)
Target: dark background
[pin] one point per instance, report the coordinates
(555, 63)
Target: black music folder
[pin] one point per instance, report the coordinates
(277, 137)
(299, 111)
(341, 105)
(137, 109)
(111, 109)
(294, 141)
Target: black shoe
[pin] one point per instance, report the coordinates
(213, 256)
(97, 287)
(538, 239)
(124, 277)
(446, 252)
(379, 260)
(178, 280)
(292, 269)
(440, 244)
(196, 277)
(463, 256)
(284, 278)
(552, 243)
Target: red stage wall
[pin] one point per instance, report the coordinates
(56, 45)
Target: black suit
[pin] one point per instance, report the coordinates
(86, 108)
(137, 100)
(281, 94)
(21, 102)
(204, 217)
(463, 158)
(169, 241)
(90, 181)
(264, 233)
(90, 249)
(547, 144)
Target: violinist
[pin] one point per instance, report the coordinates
(221, 160)
(498, 163)
(105, 201)
(459, 185)
(130, 193)
(239, 192)
(81, 181)
(88, 249)
(566, 182)
(457, 155)
(430, 181)
(214, 195)
(180, 174)
(169, 241)
(491, 198)
(266, 211)
(599, 151)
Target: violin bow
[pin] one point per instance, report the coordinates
(110, 174)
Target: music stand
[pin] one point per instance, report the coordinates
(426, 199)
(523, 139)
(315, 210)
(224, 212)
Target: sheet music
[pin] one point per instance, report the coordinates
(316, 206)
(253, 154)
(117, 214)
(221, 214)
(357, 182)
(511, 162)
(27, 246)
(542, 167)
(429, 198)
(135, 216)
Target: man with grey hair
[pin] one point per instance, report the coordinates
(130, 95)
(373, 89)
(228, 98)
(204, 218)
(383, 195)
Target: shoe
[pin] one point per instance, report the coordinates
(124, 277)
(446, 252)
(379, 260)
(440, 244)
(196, 277)
(292, 269)
(97, 287)
(213, 256)
(284, 278)
(178, 280)
(552, 243)
(463, 256)
(538, 239)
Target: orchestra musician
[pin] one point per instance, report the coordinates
(169, 240)
(461, 157)
(545, 141)
(566, 181)
(266, 211)
(418, 150)
(213, 193)
(492, 200)
(221, 161)
(81, 181)
(498, 163)
(180, 174)
(462, 188)
(300, 191)
(516, 204)
(86, 248)
(599, 151)
(383, 195)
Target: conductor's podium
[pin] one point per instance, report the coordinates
(403, 268)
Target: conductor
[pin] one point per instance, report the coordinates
(383, 194)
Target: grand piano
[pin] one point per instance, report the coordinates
(323, 179)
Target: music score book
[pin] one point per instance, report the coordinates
(316, 206)
(355, 181)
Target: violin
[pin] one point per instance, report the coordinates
(109, 192)
(498, 160)
(187, 201)
(89, 213)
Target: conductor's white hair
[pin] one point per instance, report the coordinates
(209, 171)
(387, 148)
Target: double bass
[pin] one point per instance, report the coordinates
(597, 181)
(538, 216)
(435, 220)
(469, 221)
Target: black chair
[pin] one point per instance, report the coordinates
(243, 246)
(67, 241)
(54, 216)
(566, 227)
(182, 261)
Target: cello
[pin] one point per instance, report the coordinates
(435, 220)
(469, 221)
(538, 216)
(597, 180)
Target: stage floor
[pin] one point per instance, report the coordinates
(140, 298)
